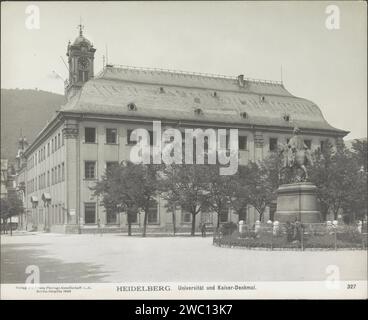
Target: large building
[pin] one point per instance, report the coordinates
(91, 132)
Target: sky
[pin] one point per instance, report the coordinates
(257, 39)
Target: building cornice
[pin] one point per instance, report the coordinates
(64, 115)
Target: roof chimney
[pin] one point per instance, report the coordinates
(241, 82)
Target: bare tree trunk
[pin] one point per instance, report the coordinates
(192, 233)
(129, 229)
(174, 221)
(218, 220)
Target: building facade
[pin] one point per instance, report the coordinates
(92, 132)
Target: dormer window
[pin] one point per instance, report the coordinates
(132, 107)
(197, 100)
(162, 90)
(198, 111)
(215, 94)
(262, 98)
(244, 115)
(286, 117)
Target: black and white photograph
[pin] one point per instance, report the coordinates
(184, 150)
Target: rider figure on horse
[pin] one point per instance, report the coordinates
(297, 156)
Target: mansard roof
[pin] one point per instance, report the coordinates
(180, 96)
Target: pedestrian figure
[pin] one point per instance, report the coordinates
(99, 227)
(203, 230)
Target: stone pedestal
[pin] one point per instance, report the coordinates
(297, 201)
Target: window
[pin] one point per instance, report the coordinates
(111, 217)
(153, 213)
(322, 145)
(186, 217)
(132, 107)
(89, 213)
(82, 76)
(89, 135)
(130, 142)
(59, 173)
(224, 215)
(242, 143)
(273, 144)
(151, 137)
(244, 115)
(133, 217)
(111, 164)
(308, 143)
(48, 178)
(59, 140)
(48, 149)
(89, 169)
(111, 135)
(62, 172)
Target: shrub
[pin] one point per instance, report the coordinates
(228, 228)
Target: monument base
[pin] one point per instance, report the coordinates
(297, 202)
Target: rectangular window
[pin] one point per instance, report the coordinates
(111, 136)
(308, 143)
(82, 76)
(134, 217)
(90, 169)
(89, 135)
(52, 145)
(150, 137)
(62, 172)
(273, 144)
(242, 143)
(224, 216)
(89, 213)
(152, 217)
(322, 145)
(59, 173)
(52, 176)
(130, 142)
(111, 217)
(48, 178)
(186, 217)
(59, 140)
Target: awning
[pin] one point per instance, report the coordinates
(34, 199)
(46, 196)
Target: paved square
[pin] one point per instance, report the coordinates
(119, 258)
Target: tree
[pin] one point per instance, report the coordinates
(259, 186)
(131, 187)
(10, 207)
(357, 202)
(187, 185)
(220, 190)
(336, 175)
(240, 194)
(360, 153)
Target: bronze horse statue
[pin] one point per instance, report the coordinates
(296, 156)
